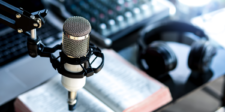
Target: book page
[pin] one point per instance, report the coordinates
(118, 85)
(52, 97)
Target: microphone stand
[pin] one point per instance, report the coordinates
(25, 22)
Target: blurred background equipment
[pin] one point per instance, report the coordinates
(187, 9)
(112, 20)
(213, 24)
(195, 3)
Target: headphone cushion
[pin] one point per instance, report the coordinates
(159, 58)
(201, 55)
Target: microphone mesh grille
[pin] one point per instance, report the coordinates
(75, 48)
(77, 26)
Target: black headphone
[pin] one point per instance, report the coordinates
(156, 58)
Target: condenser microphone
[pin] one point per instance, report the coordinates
(75, 45)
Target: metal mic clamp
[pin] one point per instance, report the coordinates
(78, 61)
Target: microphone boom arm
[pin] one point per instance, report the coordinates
(23, 21)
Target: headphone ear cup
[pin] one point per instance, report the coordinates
(201, 55)
(159, 58)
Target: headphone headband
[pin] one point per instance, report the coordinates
(173, 26)
(156, 32)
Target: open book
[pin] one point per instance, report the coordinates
(118, 87)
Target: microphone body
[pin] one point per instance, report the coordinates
(75, 44)
(72, 84)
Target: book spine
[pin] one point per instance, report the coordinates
(20, 107)
(153, 102)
